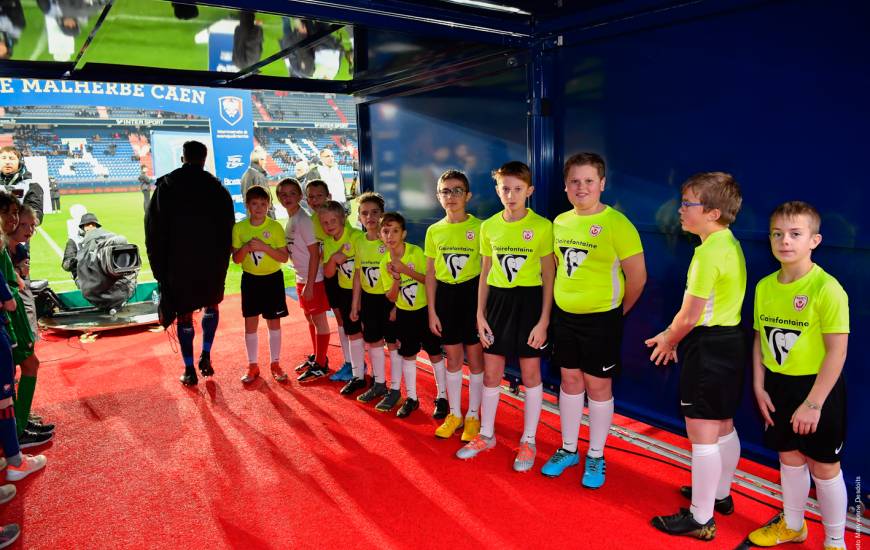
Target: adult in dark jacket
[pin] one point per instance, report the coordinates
(188, 236)
(17, 180)
(256, 175)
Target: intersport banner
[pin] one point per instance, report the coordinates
(229, 112)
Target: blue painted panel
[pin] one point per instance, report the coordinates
(414, 139)
(775, 94)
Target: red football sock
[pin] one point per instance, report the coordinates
(320, 349)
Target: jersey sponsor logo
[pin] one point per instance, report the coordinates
(257, 257)
(346, 268)
(372, 275)
(409, 293)
(233, 161)
(456, 263)
(469, 235)
(800, 302)
(595, 230)
(573, 257)
(511, 264)
(231, 109)
(528, 234)
(780, 341)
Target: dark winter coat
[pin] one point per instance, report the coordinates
(33, 196)
(188, 236)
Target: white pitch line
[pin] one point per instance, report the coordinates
(51, 242)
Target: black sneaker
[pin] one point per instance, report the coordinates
(205, 367)
(378, 389)
(409, 406)
(189, 378)
(682, 523)
(390, 400)
(724, 506)
(32, 439)
(9, 534)
(353, 385)
(442, 408)
(314, 372)
(304, 365)
(39, 428)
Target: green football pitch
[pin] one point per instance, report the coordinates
(120, 213)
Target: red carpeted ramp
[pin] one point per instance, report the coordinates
(141, 462)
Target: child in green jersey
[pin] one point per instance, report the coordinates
(370, 305)
(452, 280)
(600, 274)
(317, 195)
(711, 348)
(259, 245)
(801, 323)
(403, 273)
(513, 306)
(339, 260)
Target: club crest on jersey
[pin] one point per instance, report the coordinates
(456, 263)
(411, 266)
(372, 275)
(347, 268)
(469, 235)
(780, 341)
(528, 234)
(346, 246)
(409, 293)
(594, 230)
(800, 302)
(382, 249)
(572, 258)
(511, 264)
(266, 234)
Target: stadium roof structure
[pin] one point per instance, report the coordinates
(365, 48)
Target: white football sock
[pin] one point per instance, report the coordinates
(378, 357)
(706, 471)
(570, 416)
(832, 497)
(532, 413)
(357, 357)
(600, 418)
(729, 449)
(475, 394)
(275, 345)
(795, 490)
(440, 378)
(489, 406)
(345, 347)
(251, 346)
(409, 369)
(395, 370)
(454, 392)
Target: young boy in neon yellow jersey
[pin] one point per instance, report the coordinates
(452, 280)
(260, 246)
(711, 348)
(801, 326)
(513, 306)
(403, 272)
(317, 195)
(600, 274)
(370, 304)
(339, 259)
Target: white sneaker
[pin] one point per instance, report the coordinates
(29, 464)
(475, 447)
(7, 493)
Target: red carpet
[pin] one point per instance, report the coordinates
(141, 462)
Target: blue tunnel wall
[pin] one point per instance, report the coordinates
(773, 93)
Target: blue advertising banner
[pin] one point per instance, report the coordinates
(229, 113)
